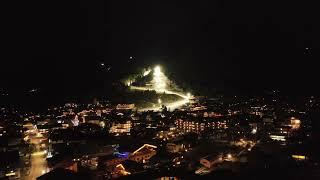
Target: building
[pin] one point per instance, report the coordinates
(199, 125)
(93, 119)
(172, 134)
(175, 148)
(119, 171)
(143, 154)
(295, 123)
(125, 106)
(210, 160)
(120, 128)
(111, 160)
(190, 126)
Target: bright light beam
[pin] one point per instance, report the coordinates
(157, 71)
(159, 80)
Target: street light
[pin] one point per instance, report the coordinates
(188, 95)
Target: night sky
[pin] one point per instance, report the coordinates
(239, 45)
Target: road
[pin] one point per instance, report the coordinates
(39, 164)
(38, 167)
(170, 106)
(159, 91)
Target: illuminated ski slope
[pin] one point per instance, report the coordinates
(159, 84)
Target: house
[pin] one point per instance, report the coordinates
(144, 153)
(210, 160)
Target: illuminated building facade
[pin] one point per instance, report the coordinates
(125, 106)
(144, 153)
(119, 171)
(172, 134)
(120, 128)
(199, 126)
(175, 148)
(141, 155)
(210, 160)
(295, 123)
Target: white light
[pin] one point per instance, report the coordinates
(254, 131)
(11, 174)
(157, 71)
(159, 79)
(159, 101)
(147, 72)
(278, 138)
(49, 155)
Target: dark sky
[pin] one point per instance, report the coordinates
(232, 44)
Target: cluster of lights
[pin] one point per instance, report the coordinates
(278, 138)
(295, 123)
(193, 126)
(159, 80)
(159, 84)
(120, 128)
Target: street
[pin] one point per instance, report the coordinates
(170, 106)
(38, 162)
